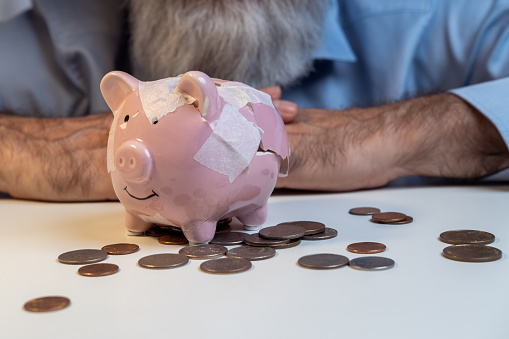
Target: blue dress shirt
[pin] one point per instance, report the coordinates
(376, 52)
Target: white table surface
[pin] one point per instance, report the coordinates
(423, 296)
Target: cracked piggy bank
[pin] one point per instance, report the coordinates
(191, 150)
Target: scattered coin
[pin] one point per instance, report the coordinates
(282, 231)
(155, 231)
(121, 248)
(329, 233)
(292, 243)
(467, 237)
(98, 270)
(47, 304)
(203, 251)
(389, 217)
(173, 238)
(408, 220)
(79, 257)
(229, 238)
(163, 260)
(251, 252)
(366, 247)
(371, 263)
(255, 240)
(226, 265)
(323, 261)
(312, 227)
(472, 253)
(364, 211)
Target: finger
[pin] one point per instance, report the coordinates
(287, 109)
(274, 92)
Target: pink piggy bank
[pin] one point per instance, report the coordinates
(189, 151)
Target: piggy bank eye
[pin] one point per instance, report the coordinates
(126, 118)
(155, 121)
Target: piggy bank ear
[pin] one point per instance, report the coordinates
(116, 86)
(199, 86)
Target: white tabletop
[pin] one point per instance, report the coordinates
(424, 296)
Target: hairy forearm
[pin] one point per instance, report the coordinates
(439, 135)
(55, 159)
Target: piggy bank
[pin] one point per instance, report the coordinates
(189, 151)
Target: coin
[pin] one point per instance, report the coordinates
(163, 260)
(408, 220)
(98, 270)
(366, 247)
(323, 261)
(282, 231)
(364, 211)
(226, 265)
(472, 253)
(203, 251)
(47, 304)
(255, 240)
(228, 238)
(173, 238)
(467, 237)
(371, 263)
(79, 257)
(251, 252)
(329, 233)
(389, 217)
(121, 248)
(292, 243)
(312, 227)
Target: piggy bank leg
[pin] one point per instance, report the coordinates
(253, 219)
(135, 226)
(202, 234)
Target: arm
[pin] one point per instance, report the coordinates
(440, 135)
(55, 159)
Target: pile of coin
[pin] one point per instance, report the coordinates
(386, 218)
(469, 246)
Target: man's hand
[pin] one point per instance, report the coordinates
(287, 109)
(55, 159)
(440, 136)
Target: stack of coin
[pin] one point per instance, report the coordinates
(470, 246)
(391, 218)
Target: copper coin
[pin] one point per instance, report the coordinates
(323, 261)
(251, 252)
(80, 257)
(292, 243)
(203, 251)
(312, 227)
(364, 211)
(155, 231)
(226, 265)
(329, 233)
(173, 238)
(408, 220)
(387, 217)
(229, 238)
(121, 248)
(467, 237)
(47, 304)
(372, 263)
(255, 240)
(282, 231)
(163, 260)
(472, 253)
(366, 247)
(98, 270)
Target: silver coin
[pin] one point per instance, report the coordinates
(163, 260)
(371, 263)
(203, 251)
(79, 257)
(282, 231)
(226, 265)
(229, 238)
(251, 252)
(328, 233)
(323, 261)
(255, 240)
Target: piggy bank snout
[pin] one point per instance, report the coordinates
(134, 161)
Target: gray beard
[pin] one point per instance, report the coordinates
(258, 42)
